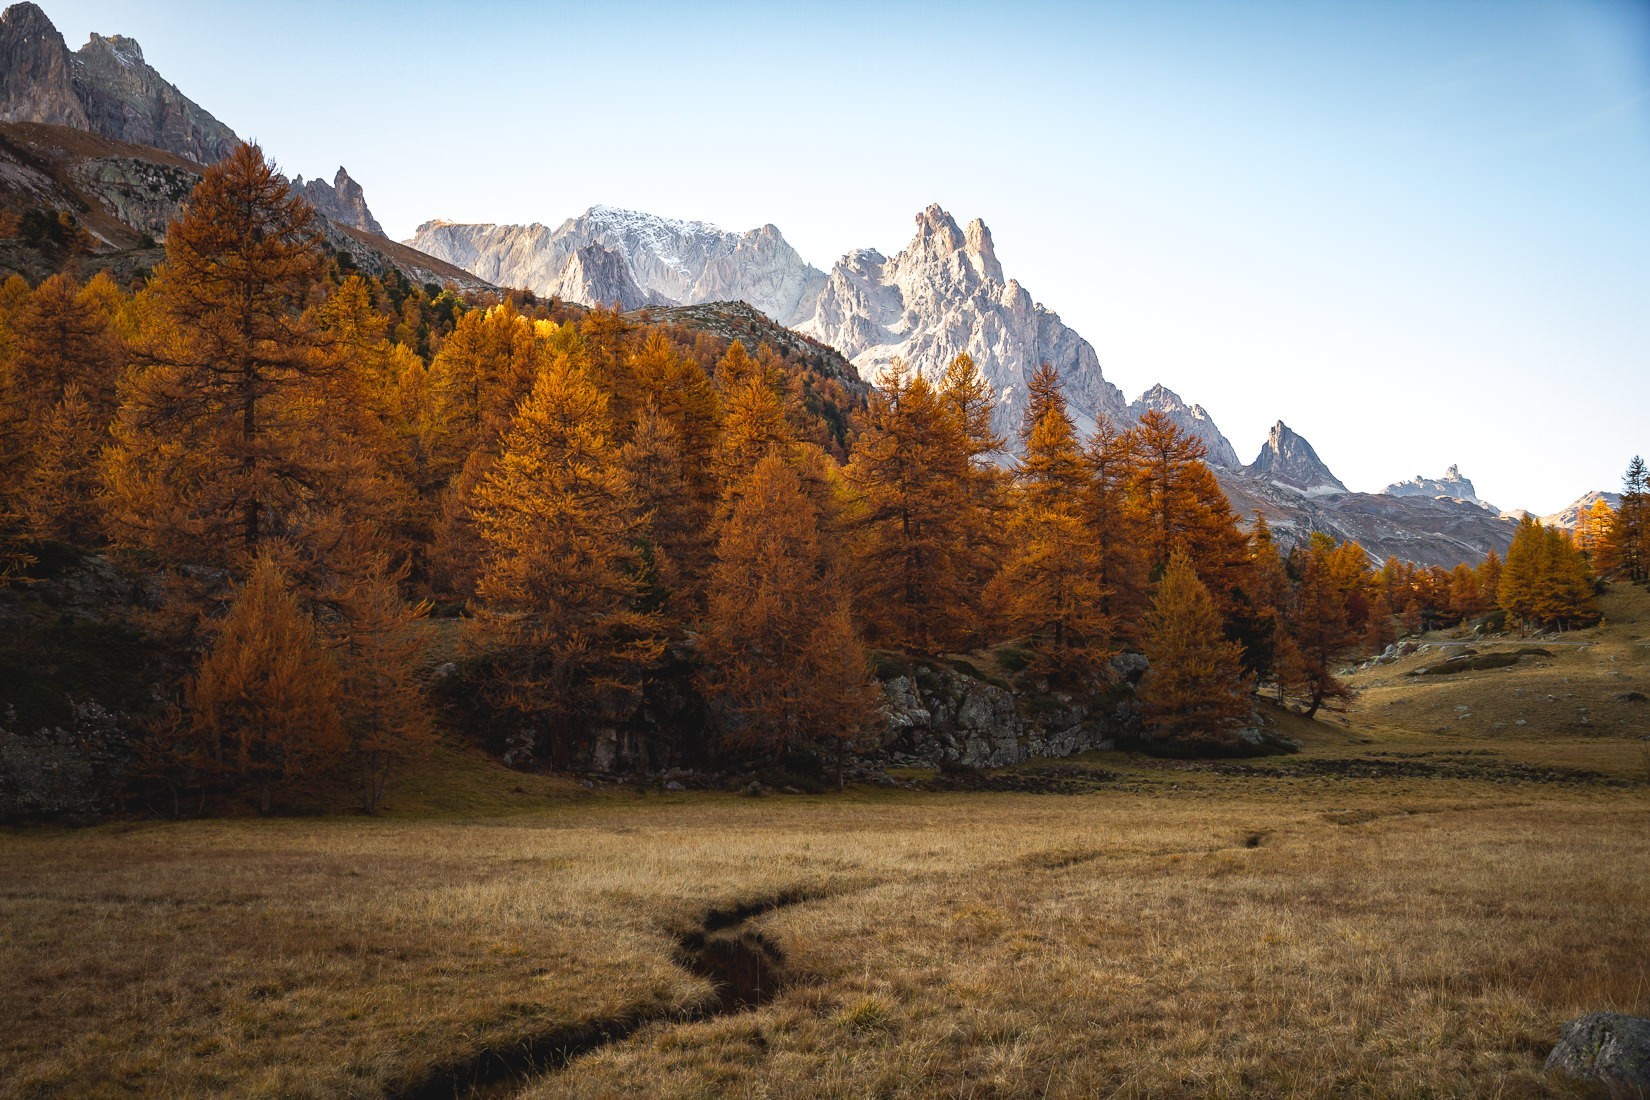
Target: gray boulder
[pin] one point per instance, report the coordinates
(1606, 1047)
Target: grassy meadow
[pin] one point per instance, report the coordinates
(1411, 906)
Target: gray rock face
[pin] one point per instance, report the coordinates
(343, 201)
(676, 262)
(1194, 420)
(597, 276)
(1288, 460)
(1606, 1047)
(36, 71)
(127, 100)
(1452, 484)
(937, 717)
(106, 88)
(944, 295)
(146, 195)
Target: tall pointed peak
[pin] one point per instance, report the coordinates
(1288, 460)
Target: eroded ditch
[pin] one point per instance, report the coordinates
(745, 968)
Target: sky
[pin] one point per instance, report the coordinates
(1417, 232)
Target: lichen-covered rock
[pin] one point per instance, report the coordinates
(936, 716)
(1606, 1047)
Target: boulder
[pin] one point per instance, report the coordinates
(1606, 1047)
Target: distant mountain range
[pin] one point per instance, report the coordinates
(100, 133)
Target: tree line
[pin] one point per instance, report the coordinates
(645, 532)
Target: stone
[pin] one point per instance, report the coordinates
(673, 785)
(1606, 1047)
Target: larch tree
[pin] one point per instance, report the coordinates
(380, 649)
(1545, 582)
(1629, 537)
(1322, 627)
(263, 706)
(1196, 691)
(783, 665)
(558, 603)
(210, 456)
(1178, 504)
(911, 477)
(1052, 575)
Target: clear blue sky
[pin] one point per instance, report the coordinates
(1418, 232)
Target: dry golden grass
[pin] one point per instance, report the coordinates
(1283, 928)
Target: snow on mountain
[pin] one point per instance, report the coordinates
(1191, 419)
(687, 262)
(1288, 461)
(944, 295)
(1452, 484)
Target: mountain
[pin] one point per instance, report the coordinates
(943, 295)
(598, 275)
(677, 262)
(37, 71)
(1452, 484)
(100, 135)
(106, 88)
(1191, 419)
(946, 294)
(343, 201)
(1288, 460)
(1567, 517)
(124, 196)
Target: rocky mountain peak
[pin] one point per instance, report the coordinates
(1194, 420)
(36, 71)
(1288, 461)
(343, 201)
(127, 100)
(1452, 484)
(125, 51)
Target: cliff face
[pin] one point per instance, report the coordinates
(127, 100)
(36, 71)
(343, 201)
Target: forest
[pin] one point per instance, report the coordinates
(327, 496)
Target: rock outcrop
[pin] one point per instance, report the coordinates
(940, 717)
(1607, 1048)
(36, 71)
(1194, 420)
(1451, 485)
(1288, 461)
(342, 200)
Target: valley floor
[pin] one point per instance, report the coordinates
(1410, 906)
